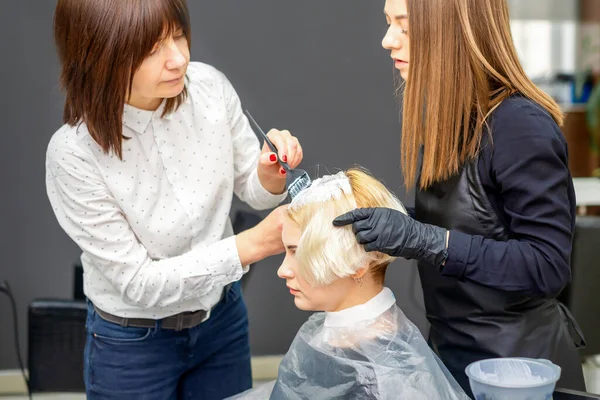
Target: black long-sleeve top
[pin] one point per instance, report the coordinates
(524, 171)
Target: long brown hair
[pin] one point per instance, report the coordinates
(101, 44)
(463, 64)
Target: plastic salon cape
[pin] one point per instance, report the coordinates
(371, 351)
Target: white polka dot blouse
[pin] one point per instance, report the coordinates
(154, 228)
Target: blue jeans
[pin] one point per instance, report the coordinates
(208, 361)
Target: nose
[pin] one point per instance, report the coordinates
(176, 59)
(391, 40)
(285, 272)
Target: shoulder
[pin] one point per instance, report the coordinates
(527, 146)
(521, 129)
(519, 118)
(70, 147)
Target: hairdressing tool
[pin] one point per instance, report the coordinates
(296, 179)
(324, 189)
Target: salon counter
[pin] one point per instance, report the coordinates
(582, 161)
(564, 394)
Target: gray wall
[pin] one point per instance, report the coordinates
(37, 256)
(314, 67)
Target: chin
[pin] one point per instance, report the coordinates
(303, 305)
(175, 92)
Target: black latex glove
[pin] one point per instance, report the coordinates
(396, 234)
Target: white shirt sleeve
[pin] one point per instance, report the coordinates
(247, 150)
(90, 215)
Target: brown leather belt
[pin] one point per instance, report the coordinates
(176, 322)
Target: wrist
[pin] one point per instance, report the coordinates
(435, 251)
(273, 186)
(446, 251)
(249, 246)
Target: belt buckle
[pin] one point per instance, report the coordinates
(206, 317)
(180, 317)
(179, 323)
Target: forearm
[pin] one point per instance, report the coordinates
(250, 190)
(261, 241)
(249, 248)
(519, 266)
(146, 283)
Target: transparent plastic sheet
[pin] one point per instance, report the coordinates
(382, 358)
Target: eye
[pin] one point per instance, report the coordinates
(155, 50)
(404, 27)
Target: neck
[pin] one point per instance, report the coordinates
(360, 294)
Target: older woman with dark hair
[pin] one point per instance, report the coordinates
(142, 177)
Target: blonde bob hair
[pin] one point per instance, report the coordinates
(326, 253)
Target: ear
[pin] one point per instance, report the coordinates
(360, 273)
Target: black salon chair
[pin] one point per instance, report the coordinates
(582, 296)
(56, 343)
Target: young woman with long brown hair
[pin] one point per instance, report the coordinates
(141, 176)
(494, 212)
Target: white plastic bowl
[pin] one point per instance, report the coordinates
(513, 379)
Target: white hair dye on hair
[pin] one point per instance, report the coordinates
(326, 188)
(326, 253)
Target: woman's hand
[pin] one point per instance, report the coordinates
(270, 172)
(263, 240)
(396, 234)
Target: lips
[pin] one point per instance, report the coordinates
(174, 80)
(399, 64)
(293, 291)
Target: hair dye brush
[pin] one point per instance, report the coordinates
(296, 180)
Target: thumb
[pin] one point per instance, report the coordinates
(353, 216)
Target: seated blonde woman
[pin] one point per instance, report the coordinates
(362, 345)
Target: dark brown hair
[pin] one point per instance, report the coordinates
(101, 44)
(463, 64)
